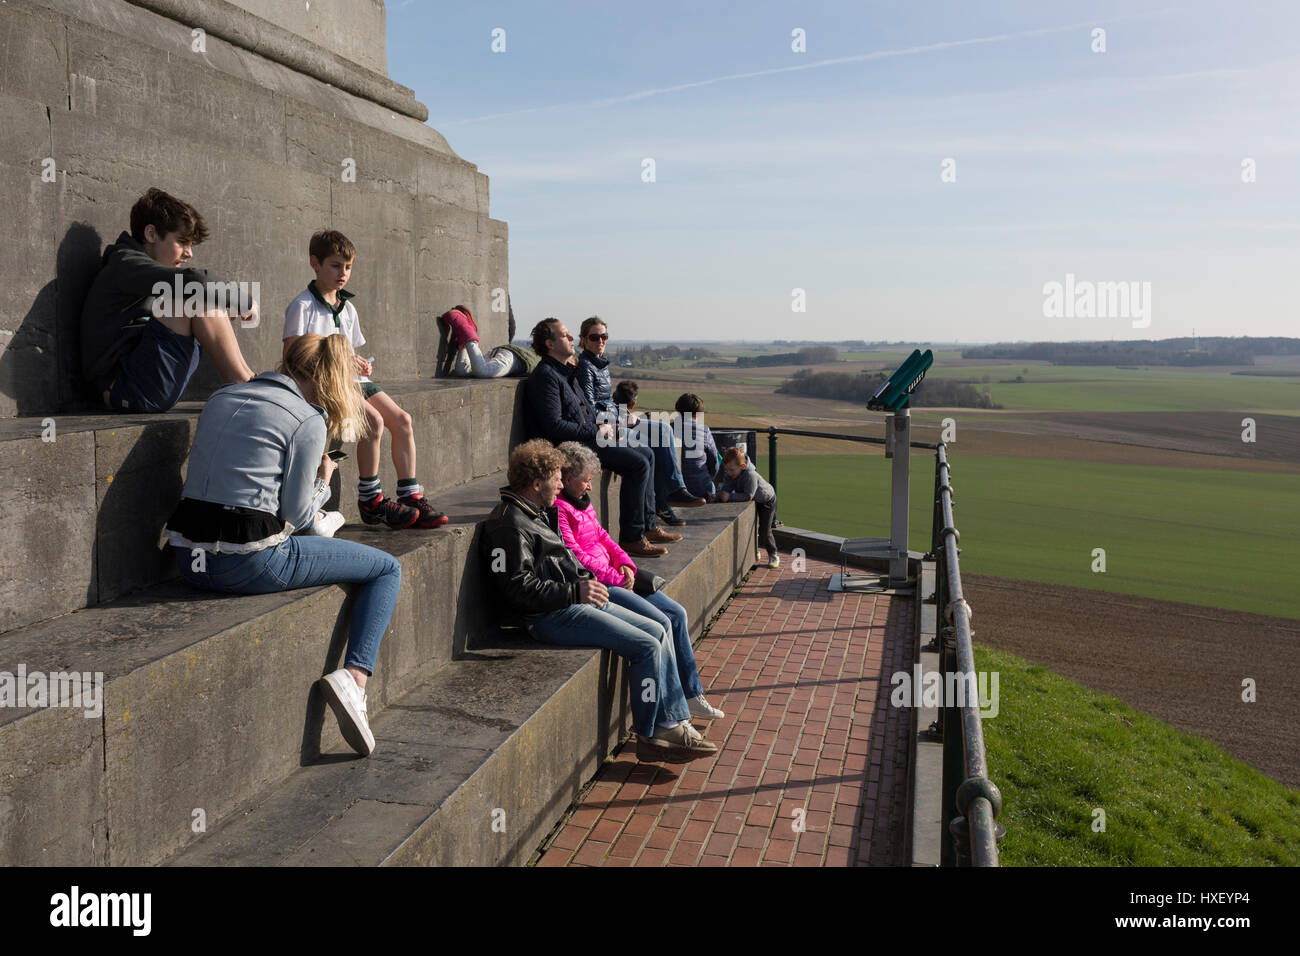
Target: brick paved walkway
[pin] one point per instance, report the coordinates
(809, 736)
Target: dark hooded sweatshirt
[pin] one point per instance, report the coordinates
(119, 305)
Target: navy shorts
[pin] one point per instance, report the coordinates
(152, 376)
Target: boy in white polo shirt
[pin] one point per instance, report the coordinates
(324, 309)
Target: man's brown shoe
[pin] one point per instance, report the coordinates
(660, 536)
(675, 745)
(642, 549)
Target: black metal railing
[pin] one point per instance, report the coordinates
(971, 801)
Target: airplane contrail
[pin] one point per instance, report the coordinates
(816, 64)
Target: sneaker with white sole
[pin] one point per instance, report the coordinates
(673, 745)
(348, 701)
(703, 709)
(326, 523)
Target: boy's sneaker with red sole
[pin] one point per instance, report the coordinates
(381, 510)
(430, 517)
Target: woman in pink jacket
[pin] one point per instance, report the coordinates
(600, 554)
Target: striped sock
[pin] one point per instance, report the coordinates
(368, 488)
(408, 486)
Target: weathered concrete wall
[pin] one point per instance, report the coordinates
(102, 99)
(351, 28)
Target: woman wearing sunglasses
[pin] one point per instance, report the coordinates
(593, 376)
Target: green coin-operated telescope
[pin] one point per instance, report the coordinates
(893, 398)
(897, 391)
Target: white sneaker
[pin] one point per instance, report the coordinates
(327, 523)
(703, 709)
(348, 701)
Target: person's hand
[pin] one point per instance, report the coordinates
(606, 432)
(629, 577)
(710, 497)
(361, 365)
(250, 318)
(632, 420)
(722, 496)
(327, 468)
(591, 591)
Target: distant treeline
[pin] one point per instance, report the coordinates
(813, 355)
(647, 356)
(846, 344)
(1185, 351)
(851, 387)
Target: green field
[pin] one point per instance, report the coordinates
(1060, 752)
(718, 402)
(1217, 538)
(1126, 390)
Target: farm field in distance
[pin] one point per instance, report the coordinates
(1148, 464)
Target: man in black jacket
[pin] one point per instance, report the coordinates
(556, 409)
(540, 585)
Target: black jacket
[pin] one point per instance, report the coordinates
(554, 406)
(119, 303)
(528, 566)
(593, 377)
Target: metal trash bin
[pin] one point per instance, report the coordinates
(744, 439)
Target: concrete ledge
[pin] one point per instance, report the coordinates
(507, 735)
(122, 476)
(243, 29)
(209, 698)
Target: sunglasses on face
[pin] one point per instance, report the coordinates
(602, 336)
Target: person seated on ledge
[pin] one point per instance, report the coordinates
(324, 308)
(538, 584)
(593, 376)
(597, 552)
(258, 471)
(743, 482)
(668, 473)
(139, 348)
(555, 409)
(468, 360)
(700, 458)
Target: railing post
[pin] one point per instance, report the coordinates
(900, 498)
(771, 456)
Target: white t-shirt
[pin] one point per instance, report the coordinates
(308, 316)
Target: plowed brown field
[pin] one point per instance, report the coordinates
(1181, 663)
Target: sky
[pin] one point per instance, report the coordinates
(920, 171)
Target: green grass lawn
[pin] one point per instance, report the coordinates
(1059, 752)
(1217, 538)
(1092, 388)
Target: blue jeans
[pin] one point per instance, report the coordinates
(652, 665)
(663, 443)
(636, 489)
(672, 618)
(303, 562)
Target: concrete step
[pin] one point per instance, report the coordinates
(475, 765)
(208, 698)
(84, 497)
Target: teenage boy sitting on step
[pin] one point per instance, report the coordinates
(325, 309)
(139, 350)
